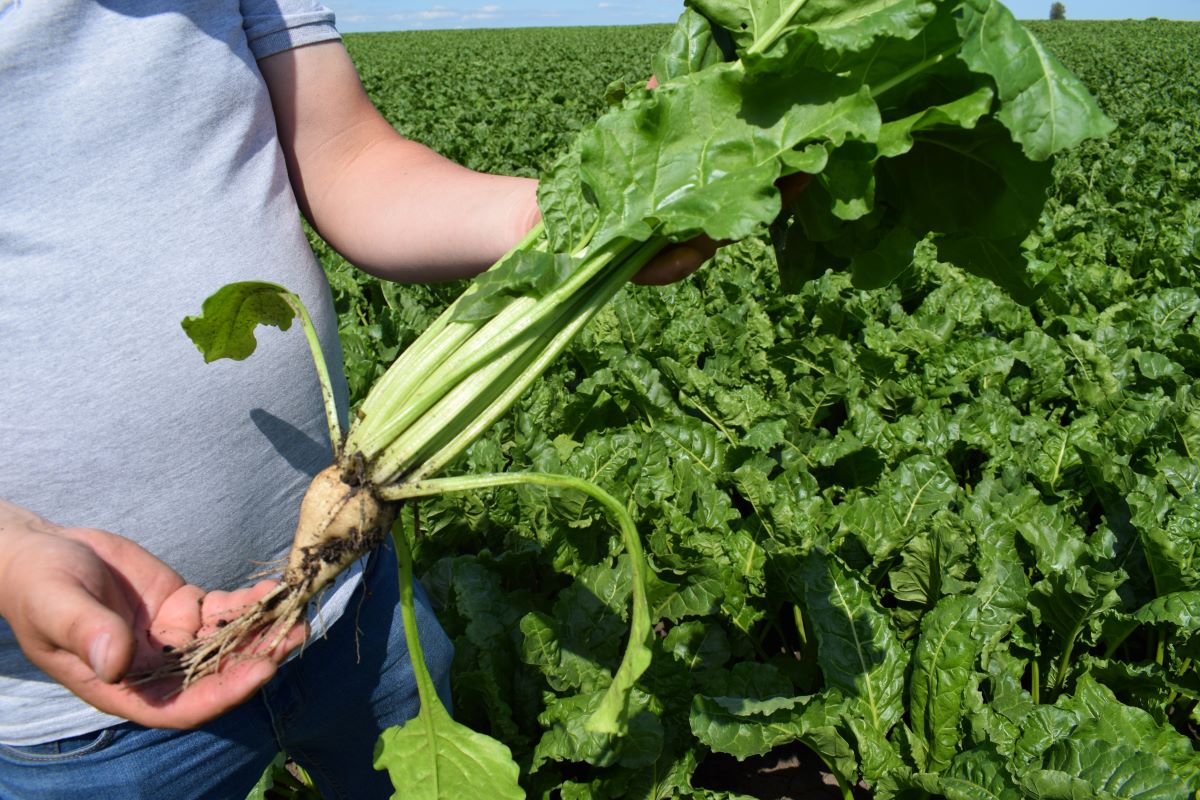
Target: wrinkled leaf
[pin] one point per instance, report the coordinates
(225, 326)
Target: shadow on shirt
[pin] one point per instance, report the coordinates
(300, 450)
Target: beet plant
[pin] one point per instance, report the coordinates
(914, 119)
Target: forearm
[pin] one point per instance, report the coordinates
(402, 212)
(389, 205)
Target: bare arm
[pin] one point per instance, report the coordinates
(394, 207)
(389, 205)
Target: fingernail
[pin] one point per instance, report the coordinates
(98, 655)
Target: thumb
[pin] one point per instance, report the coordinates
(73, 619)
(108, 656)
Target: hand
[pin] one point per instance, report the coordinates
(677, 261)
(89, 607)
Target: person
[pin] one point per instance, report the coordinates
(151, 152)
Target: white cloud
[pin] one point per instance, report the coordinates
(486, 12)
(441, 13)
(436, 13)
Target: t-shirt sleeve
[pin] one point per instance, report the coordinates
(273, 26)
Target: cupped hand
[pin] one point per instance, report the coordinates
(91, 608)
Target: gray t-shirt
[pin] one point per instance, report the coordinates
(139, 172)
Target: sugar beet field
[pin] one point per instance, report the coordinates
(917, 541)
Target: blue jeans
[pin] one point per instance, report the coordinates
(325, 709)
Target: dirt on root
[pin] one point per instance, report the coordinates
(791, 772)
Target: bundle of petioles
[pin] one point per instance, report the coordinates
(914, 119)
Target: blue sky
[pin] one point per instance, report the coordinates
(382, 15)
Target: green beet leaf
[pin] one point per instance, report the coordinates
(1090, 742)
(1119, 771)
(641, 167)
(943, 665)
(522, 274)
(1042, 104)
(692, 46)
(432, 757)
(749, 728)
(1181, 609)
(569, 737)
(839, 25)
(976, 774)
(896, 136)
(749, 20)
(945, 166)
(859, 653)
(225, 326)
